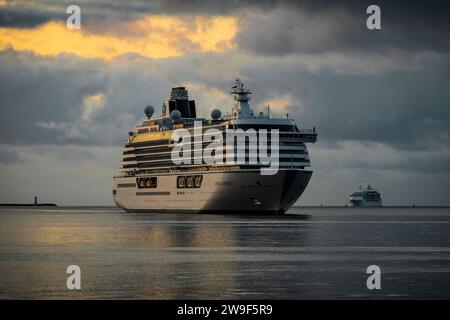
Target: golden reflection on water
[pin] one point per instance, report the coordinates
(153, 259)
(203, 235)
(205, 268)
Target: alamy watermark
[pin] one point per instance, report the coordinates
(239, 146)
(74, 280)
(374, 280)
(74, 20)
(373, 22)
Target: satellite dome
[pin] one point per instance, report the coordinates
(149, 110)
(216, 114)
(175, 115)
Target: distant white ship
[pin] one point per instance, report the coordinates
(367, 197)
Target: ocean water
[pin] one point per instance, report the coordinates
(310, 253)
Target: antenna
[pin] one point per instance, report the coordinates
(241, 108)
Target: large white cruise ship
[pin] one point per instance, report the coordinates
(149, 179)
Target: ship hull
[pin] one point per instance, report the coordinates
(363, 204)
(224, 192)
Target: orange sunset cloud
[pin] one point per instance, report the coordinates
(152, 36)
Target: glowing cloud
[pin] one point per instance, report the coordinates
(151, 36)
(92, 104)
(280, 103)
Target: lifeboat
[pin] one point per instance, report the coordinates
(198, 181)
(190, 182)
(181, 183)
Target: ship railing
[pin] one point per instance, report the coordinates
(307, 131)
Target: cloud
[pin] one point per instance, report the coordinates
(43, 91)
(105, 14)
(380, 157)
(279, 103)
(64, 174)
(91, 105)
(27, 18)
(208, 98)
(172, 28)
(325, 26)
(151, 36)
(405, 108)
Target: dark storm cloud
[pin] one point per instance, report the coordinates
(403, 108)
(406, 110)
(340, 26)
(108, 13)
(42, 91)
(31, 14)
(26, 18)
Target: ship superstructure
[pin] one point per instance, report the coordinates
(150, 181)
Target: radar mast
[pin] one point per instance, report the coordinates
(241, 107)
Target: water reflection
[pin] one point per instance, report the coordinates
(158, 256)
(321, 254)
(205, 256)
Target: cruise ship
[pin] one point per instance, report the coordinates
(365, 197)
(149, 180)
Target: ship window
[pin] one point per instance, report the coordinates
(144, 183)
(143, 130)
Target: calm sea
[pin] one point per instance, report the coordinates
(308, 254)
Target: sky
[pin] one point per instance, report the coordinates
(380, 99)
